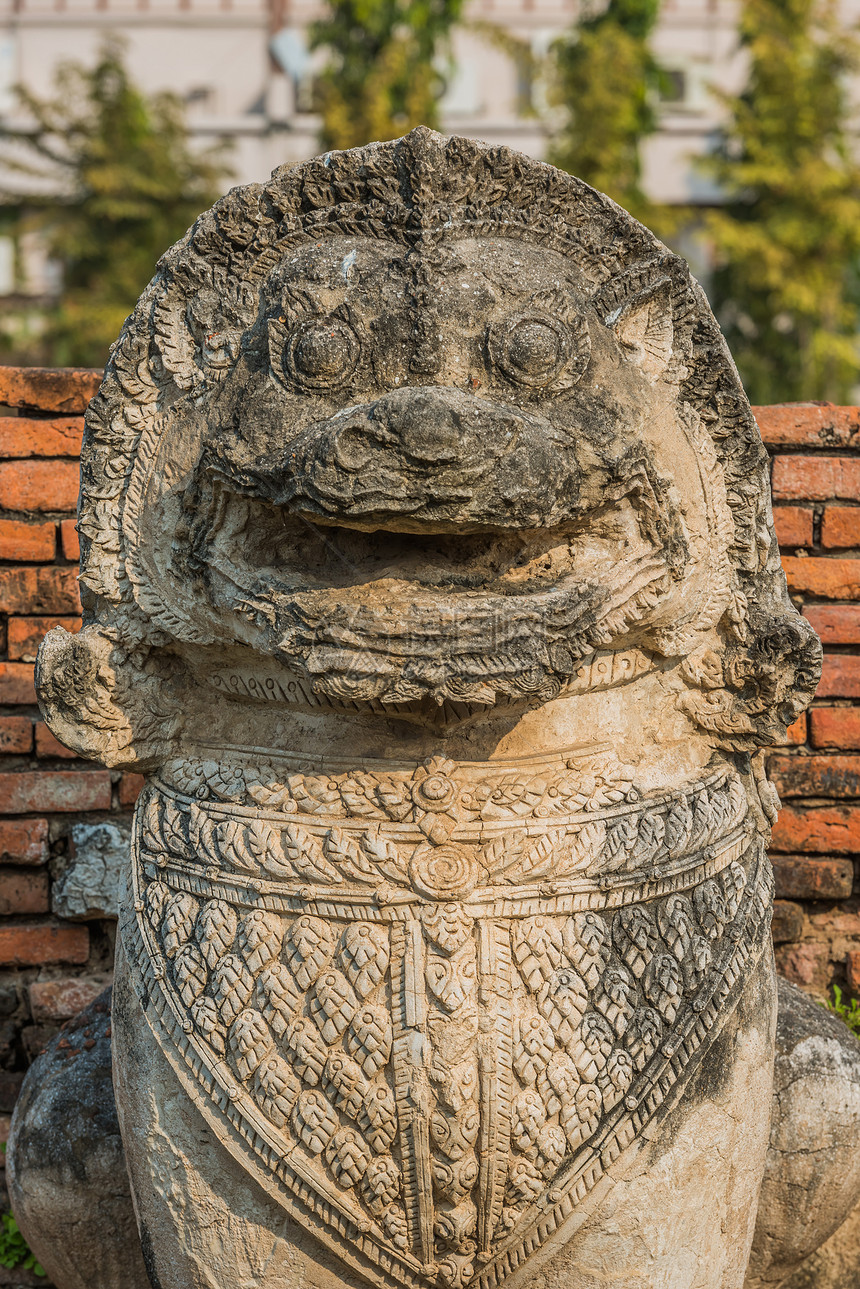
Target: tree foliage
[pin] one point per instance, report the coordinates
(129, 186)
(382, 76)
(788, 240)
(605, 81)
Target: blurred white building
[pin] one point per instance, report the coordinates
(243, 69)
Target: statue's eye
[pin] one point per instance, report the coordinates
(322, 353)
(534, 349)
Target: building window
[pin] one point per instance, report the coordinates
(673, 85)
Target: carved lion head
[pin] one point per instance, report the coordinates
(424, 426)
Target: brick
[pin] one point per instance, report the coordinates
(39, 485)
(837, 727)
(829, 579)
(852, 972)
(10, 1033)
(815, 776)
(23, 841)
(840, 676)
(23, 890)
(42, 943)
(54, 791)
(58, 1000)
(130, 788)
(840, 527)
(807, 965)
(793, 525)
(821, 830)
(47, 745)
(16, 735)
(839, 924)
(809, 425)
(22, 541)
(24, 436)
(26, 634)
(49, 389)
(71, 542)
(16, 682)
(816, 479)
(787, 925)
(795, 733)
(35, 1039)
(835, 623)
(39, 591)
(804, 877)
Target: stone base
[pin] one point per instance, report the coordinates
(812, 1179)
(66, 1168)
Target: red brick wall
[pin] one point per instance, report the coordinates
(816, 842)
(49, 967)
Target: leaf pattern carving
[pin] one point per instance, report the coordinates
(215, 930)
(190, 972)
(364, 956)
(308, 946)
(250, 1042)
(278, 996)
(276, 1089)
(301, 1007)
(178, 921)
(260, 938)
(306, 856)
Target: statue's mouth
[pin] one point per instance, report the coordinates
(433, 545)
(291, 553)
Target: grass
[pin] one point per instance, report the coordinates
(14, 1250)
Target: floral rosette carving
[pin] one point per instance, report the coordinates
(433, 790)
(435, 796)
(446, 872)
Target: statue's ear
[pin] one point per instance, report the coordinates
(644, 330)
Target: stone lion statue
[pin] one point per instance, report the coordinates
(429, 575)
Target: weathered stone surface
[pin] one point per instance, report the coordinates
(812, 1180)
(836, 1265)
(65, 1164)
(812, 1175)
(429, 576)
(89, 888)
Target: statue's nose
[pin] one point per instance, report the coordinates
(423, 427)
(427, 428)
(439, 455)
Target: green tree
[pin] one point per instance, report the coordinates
(382, 76)
(788, 239)
(129, 186)
(605, 80)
